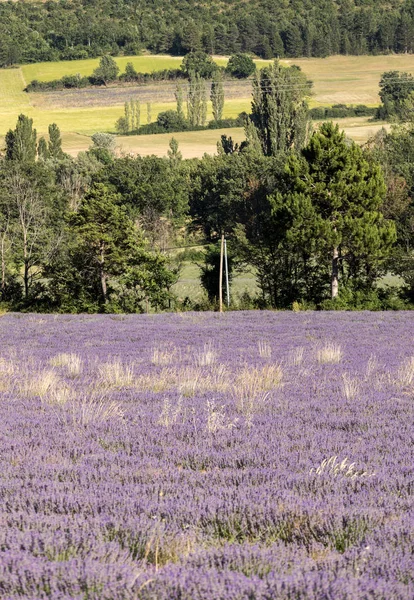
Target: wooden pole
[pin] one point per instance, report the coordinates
(221, 274)
(226, 264)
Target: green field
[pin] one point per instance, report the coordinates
(337, 79)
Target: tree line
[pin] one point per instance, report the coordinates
(320, 219)
(61, 30)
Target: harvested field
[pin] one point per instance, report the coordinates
(84, 112)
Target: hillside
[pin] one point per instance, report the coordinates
(56, 30)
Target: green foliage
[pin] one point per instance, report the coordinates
(107, 71)
(217, 96)
(341, 111)
(396, 93)
(21, 142)
(241, 66)
(334, 204)
(105, 265)
(210, 271)
(55, 142)
(61, 31)
(196, 101)
(279, 108)
(198, 63)
(171, 120)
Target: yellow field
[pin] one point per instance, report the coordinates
(337, 79)
(48, 71)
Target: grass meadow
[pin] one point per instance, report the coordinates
(337, 79)
(199, 456)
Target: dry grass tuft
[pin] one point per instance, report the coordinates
(330, 354)
(265, 349)
(350, 386)
(331, 466)
(171, 410)
(217, 419)
(41, 385)
(71, 362)
(189, 381)
(115, 374)
(406, 372)
(7, 368)
(94, 410)
(252, 386)
(164, 356)
(295, 357)
(206, 357)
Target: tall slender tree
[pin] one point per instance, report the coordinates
(280, 109)
(21, 142)
(217, 96)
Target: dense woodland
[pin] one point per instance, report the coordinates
(44, 31)
(320, 219)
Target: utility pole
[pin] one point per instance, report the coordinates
(221, 275)
(227, 274)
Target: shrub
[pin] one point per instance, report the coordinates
(170, 121)
(240, 66)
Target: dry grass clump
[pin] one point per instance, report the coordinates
(295, 356)
(217, 419)
(164, 356)
(94, 410)
(405, 375)
(330, 354)
(265, 349)
(252, 386)
(205, 357)
(71, 362)
(171, 411)
(115, 374)
(332, 466)
(58, 396)
(189, 381)
(41, 384)
(7, 368)
(350, 386)
(157, 382)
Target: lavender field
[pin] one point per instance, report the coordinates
(201, 456)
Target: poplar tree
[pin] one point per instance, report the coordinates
(55, 142)
(217, 96)
(21, 142)
(280, 109)
(196, 101)
(180, 100)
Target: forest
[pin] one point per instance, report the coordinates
(321, 220)
(57, 30)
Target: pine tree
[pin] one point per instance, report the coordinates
(335, 207)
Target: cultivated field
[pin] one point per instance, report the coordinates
(336, 80)
(207, 457)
